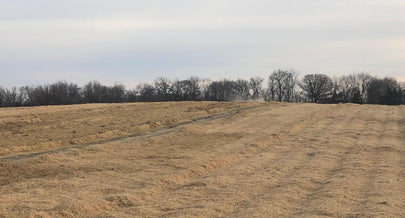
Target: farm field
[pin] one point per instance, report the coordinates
(203, 159)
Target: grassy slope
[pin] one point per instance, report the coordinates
(203, 159)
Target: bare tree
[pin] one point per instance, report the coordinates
(384, 91)
(363, 83)
(282, 84)
(176, 90)
(346, 88)
(204, 83)
(187, 90)
(402, 87)
(131, 95)
(26, 96)
(11, 97)
(317, 87)
(162, 86)
(290, 85)
(224, 90)
(191, 88)
(74, 94)
(2, 96)
(116, 93)
(242, 89)
(271, 91)
(92, 92)
(146, 92)
(352, 88)
(255, 84)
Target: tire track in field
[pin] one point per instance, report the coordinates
(137, 136)
(290, 191)
(319, 166)
(22, 170)
(14, 169)
(366, 158)
(379, 194)
(327, 195)
(172, 182)
(365, 206)
(320, 174)
(246, 170)
(10, 166)
(292, 162)
(401, 127)
(248, 167)
(351, 180)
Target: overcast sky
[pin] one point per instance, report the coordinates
(132, 41)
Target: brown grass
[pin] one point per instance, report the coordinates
(203, 159)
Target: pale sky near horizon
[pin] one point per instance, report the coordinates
(133, 41)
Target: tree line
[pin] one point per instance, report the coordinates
(282, 86)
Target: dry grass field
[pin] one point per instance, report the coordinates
(203, 159)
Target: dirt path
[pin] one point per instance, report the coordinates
(256, 160)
